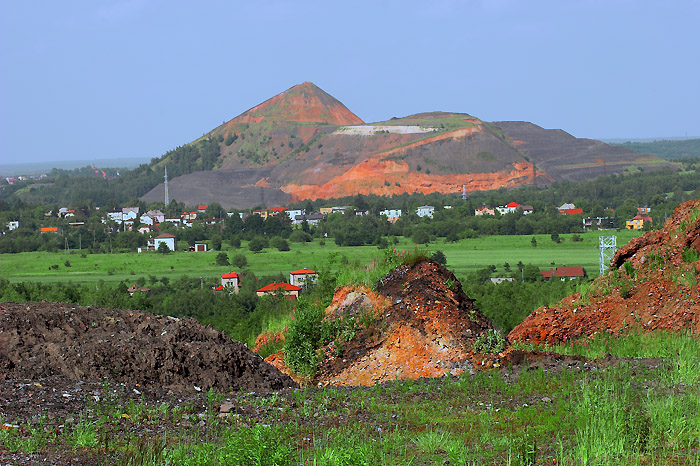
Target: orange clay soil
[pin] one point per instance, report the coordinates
(388, 177)
(419, 324)
(658, 290)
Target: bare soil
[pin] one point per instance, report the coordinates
(657, 290)
(43, 340)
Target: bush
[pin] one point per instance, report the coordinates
(299, 236)
(163, 248)
(257, 244)
(303, 339)
(439, 257)
(490, 342)
(239, 260)
(280, 244)
(222, 259)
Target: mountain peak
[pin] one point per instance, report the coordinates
(304, 102)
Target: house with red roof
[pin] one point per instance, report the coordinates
(484, 210)
(169, 240)
(230, 280)
(302, 277)
(637, 223)
(563, 272)
(288, 290)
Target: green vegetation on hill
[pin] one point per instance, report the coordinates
(667, 149)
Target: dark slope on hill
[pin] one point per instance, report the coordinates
(565, 157)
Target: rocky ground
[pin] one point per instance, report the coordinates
(652, 285)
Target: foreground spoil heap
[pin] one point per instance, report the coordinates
(652, 284)
(39, 340)
(419, 324)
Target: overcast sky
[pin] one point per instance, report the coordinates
(86, 80)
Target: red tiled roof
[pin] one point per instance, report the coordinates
(563, 271)
(512, 204)
(645, 218)
(571, 211)
(165, 235)
(44, 229)
(302, 272)
(202, 206)
(219, 288)
(229, 275)
(278, 209)
(276, 286)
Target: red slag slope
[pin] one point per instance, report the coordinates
(652, 284)
(304, 102)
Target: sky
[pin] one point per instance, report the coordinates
(90, 80)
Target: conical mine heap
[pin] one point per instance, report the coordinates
(419, 323)
(652, 285)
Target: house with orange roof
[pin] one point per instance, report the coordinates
(230, 280)
(288, 290)
(637, 223)
(303, 277)
(563, 272)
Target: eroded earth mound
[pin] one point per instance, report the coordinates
(419, 323)
(652, 284)
(40, 340)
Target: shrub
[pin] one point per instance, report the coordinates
(299, 236)
(239, 260)
(222, 259)
(257, 244)
(690, 255)
(439, 257)
(490, 342)
(279, 243)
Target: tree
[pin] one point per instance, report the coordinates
(439, 257)
(216, 242)
(555, 237)
(239, 260)
(533, 241)
(222, 259)
(163, 248)
(256, 244)
(280, 244)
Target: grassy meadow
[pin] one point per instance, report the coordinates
(463, 257)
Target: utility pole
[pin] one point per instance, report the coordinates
(166, 186)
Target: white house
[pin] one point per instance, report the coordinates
(391, 214)
(166, 238)
(12, 225)
(130, 213)
(302, 277)
(115, 216)
(296, 215)
(230, 280)
(425, 211)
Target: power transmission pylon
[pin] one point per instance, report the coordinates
(607, 245)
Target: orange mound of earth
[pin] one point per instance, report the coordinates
(658, 290)
(419, 324)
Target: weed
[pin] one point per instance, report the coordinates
(690, 255)
(490, 341)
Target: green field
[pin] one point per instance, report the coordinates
(463, 257)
